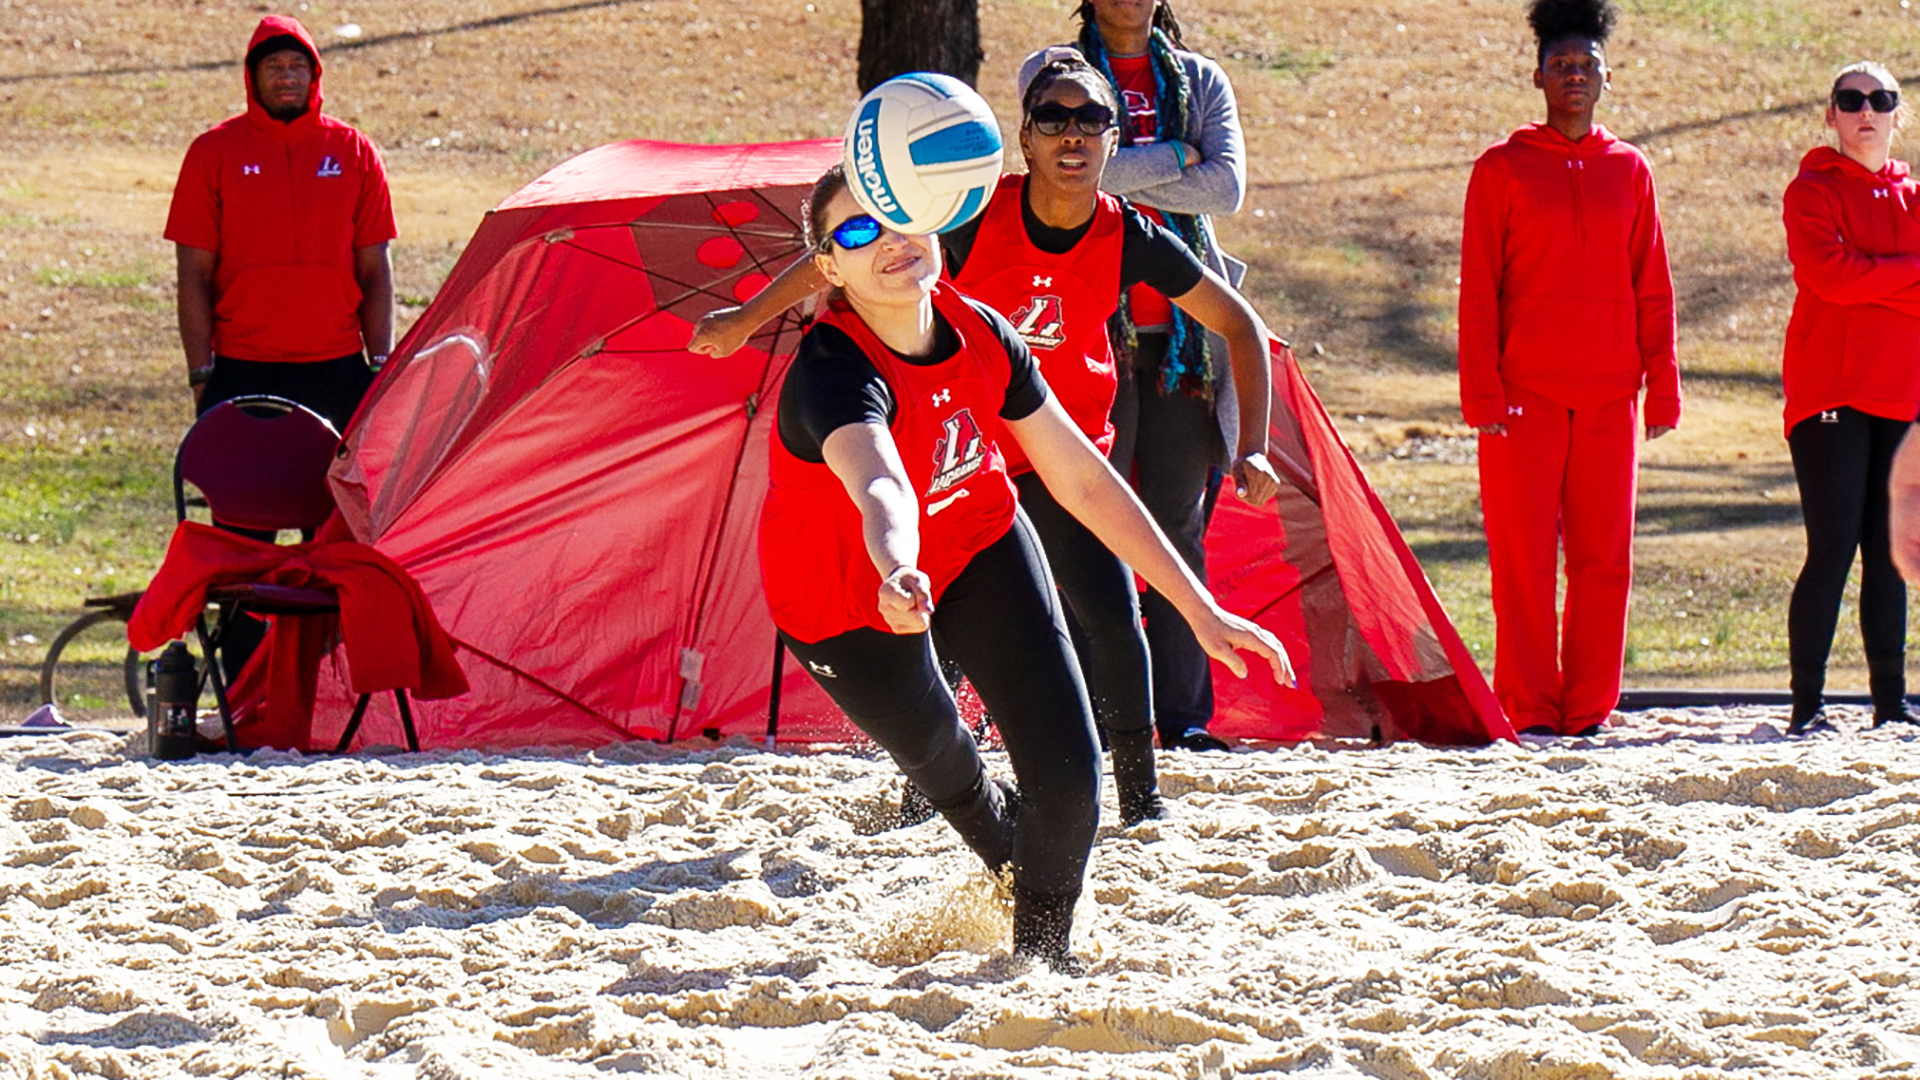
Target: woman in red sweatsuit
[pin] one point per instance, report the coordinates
(1852, 375)
(1566, 312)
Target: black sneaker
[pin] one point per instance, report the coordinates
(1904, 716)
(1816, 724)
(915, 807)
(1136, 807)
(1194, 738)
(1043, 928)
(1541, 731)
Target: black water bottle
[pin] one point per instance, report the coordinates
(173, 699)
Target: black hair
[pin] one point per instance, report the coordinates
(1558, 20)
(274, 44)
(1163, 20)
(1069, 69)
(814, 210)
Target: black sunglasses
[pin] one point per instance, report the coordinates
(1052, 118)
(854, 233)
(1851, 101)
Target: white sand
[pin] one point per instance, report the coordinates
(1690, 896)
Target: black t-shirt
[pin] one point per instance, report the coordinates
(1150, 254)
(833, 384)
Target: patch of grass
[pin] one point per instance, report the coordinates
(1299, 63)
(68, 277)
(1763, 23)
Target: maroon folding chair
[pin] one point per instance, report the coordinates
(260, 463)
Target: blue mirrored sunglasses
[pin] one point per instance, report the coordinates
(855, 233)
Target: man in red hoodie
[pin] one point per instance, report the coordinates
(1566, 313)
(281, 219)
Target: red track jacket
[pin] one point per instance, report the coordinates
(1564, 287)
(392, 638)
(1854, 338)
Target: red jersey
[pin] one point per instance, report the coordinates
(283, 207)
(1060, 305)
(819, 579)
(1564, 286)
(1854, 338)
(1139, 99)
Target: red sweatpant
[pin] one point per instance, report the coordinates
(1557, 476)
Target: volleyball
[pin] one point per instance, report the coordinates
(922, 153)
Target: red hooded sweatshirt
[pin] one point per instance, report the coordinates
(1854, 239)
(1564, 287)
(283, 206)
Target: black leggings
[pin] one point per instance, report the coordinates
(1841, 459)
(332, 388)
(999, 620)
(1105, 610)
(1166, 444)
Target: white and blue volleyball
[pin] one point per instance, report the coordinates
(922, 153)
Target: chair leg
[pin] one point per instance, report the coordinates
(406, 718)
(210, 669)
(353, 724)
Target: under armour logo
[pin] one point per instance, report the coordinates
(825, 671)
(328, 166)
(941, 397)
(1880, 193)
(1516, 410)
(1042, 282)
(249, 170)
(1830, 416)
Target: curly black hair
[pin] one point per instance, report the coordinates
(1558, 20)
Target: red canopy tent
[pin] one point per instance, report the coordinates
(578, 495)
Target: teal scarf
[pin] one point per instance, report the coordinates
(1187, 368)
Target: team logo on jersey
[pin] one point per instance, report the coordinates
(1042, 282)
(328, 166)
(941, 397)
(1140, 114)
(1040, 322)
(959, 453)
(249, 170)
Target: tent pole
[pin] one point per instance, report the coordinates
(773, 694)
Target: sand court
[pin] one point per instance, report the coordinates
(1688, 896)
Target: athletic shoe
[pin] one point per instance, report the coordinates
(1194, 738)
(1541, 731)
(1902, 717)
(1043, 927)
(915, 807)
(1817, 724)
(1137, 807)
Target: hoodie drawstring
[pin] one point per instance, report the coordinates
(1576, 173)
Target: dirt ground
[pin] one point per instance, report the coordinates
(1362, 122)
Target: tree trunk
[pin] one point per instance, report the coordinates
(898, 36)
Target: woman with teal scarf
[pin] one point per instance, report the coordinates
(1182, 155)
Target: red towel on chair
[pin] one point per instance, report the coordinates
(392, 638)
